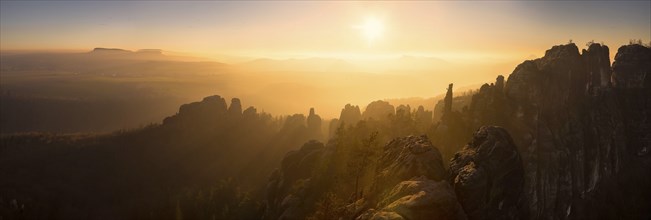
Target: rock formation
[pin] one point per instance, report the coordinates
(408, 157)
(314, 125)
(411, 184)
(288, 187)
(581, 140)
(235, 109)
(632, 67)
(577, 146)
(378, 110)
(404, 110)
(447, 107)
(597, 65)
(208, 109)
(418, 198)
(350, 115)
(488, 176)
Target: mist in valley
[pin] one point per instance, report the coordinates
(325, 110)
(69, 92)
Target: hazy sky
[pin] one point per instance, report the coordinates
(444, 29)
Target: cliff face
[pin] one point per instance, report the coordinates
(582, 135)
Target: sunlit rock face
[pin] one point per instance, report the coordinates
(488, 176)
(418, 198)
(411, 183)
(408, 157)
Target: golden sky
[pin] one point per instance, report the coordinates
(446, 29)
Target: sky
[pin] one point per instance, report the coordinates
(275, 29)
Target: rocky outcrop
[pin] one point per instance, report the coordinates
(235, 109)
(408, 157)
(410, 183)
(249, 112)
(288, 187)
(214, 104)
(208, 109)
(488, 176)
(378, 110)
(632, 67)
(553, 80)
(418, 198)
(403, 110)
(597, 65)
(314, 125)
(489, 105)
(447, 106)
(350, 115)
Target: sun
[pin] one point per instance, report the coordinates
(371, 29)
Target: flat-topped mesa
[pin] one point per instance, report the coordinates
(109, 50)
(632, 67)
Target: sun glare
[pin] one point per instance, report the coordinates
(371, 29)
